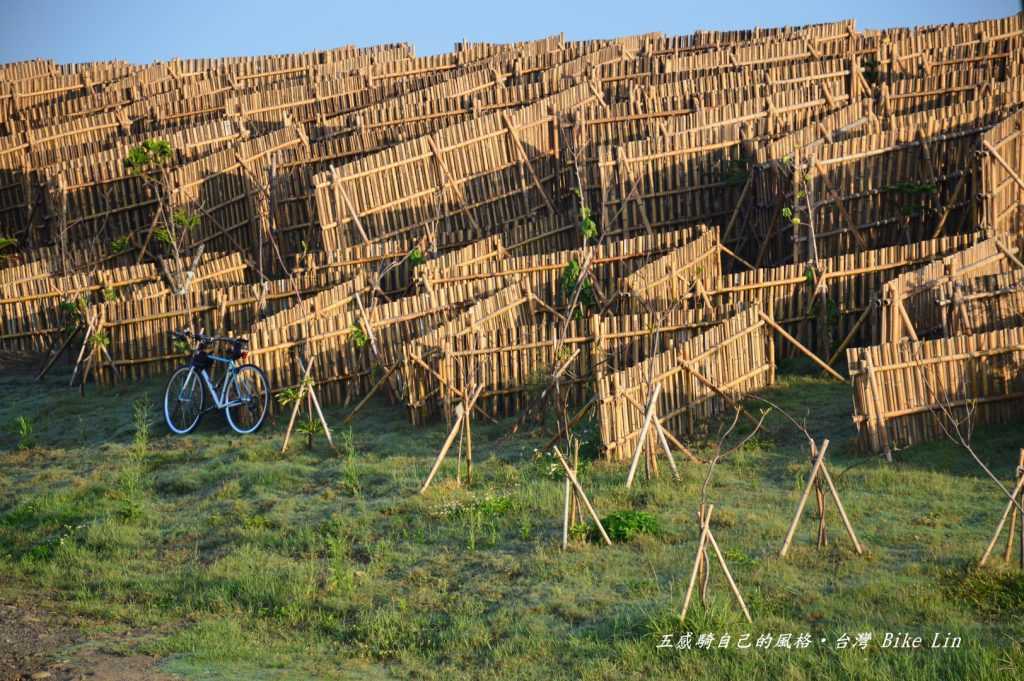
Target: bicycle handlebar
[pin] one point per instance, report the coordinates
(207, 340)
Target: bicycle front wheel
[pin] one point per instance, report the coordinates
(183, 400)
(249, 397)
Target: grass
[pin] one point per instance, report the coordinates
(231, 561)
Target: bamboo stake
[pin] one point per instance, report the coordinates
(819, 458)
(849, 337)
(674, 440)
(1002, 521)
(704, 530)
(370, 394)
(319, 411)
(652, 403)
(839, 506)
(583, 496)
(565, 514)
(572, 422)
(85, 343)
(799, 346)
(668, 452)
(60, 351)
(461, 410)
(295, 409)
(1010, 535)
(728, 575)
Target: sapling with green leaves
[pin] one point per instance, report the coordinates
(24, 429)
(313, 424)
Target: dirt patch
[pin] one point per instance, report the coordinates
(36, 644)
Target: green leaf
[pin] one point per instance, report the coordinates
(99, 339)
(358, 336)
(120, 244)
(589, 228)
(163, 235)
(185, 219)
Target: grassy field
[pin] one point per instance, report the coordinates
(227, 560)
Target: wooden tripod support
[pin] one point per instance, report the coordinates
(463, 410)
(648, 449)
(307, 394)
(1013, 512)
(701, 565)
(95, 342)
(819, 468)
(575, 495)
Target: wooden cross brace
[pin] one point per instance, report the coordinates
(1013, 510)
(819, 468)
(462, 421)
(700, 562)
(572, 484)
(307, 390)
(643, 444)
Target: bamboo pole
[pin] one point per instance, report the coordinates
(565, 513)
(704, 530)
(652, 403)
(295, 409)
(819, 454)
(1002, 521)
(718, 391)
(728, 575)
(60, 351)
(849, 337)
(1006, 166)
(839, 506)
(572, 422)
(461, 411)
(583, 496)
(319, 411)
(799, 346)
(370, 394)
(444, 448)
(668, 452)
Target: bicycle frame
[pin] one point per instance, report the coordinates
(220, 401)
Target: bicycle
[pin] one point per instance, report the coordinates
(243, 392)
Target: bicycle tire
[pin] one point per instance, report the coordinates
(248, 420)
(185, 426)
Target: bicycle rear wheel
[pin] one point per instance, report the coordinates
(251, 390)
(183, 400)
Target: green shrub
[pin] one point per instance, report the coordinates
(623, 526)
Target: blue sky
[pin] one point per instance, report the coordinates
(143, 31)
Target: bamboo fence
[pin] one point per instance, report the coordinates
(698, 378)
(916, 391)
